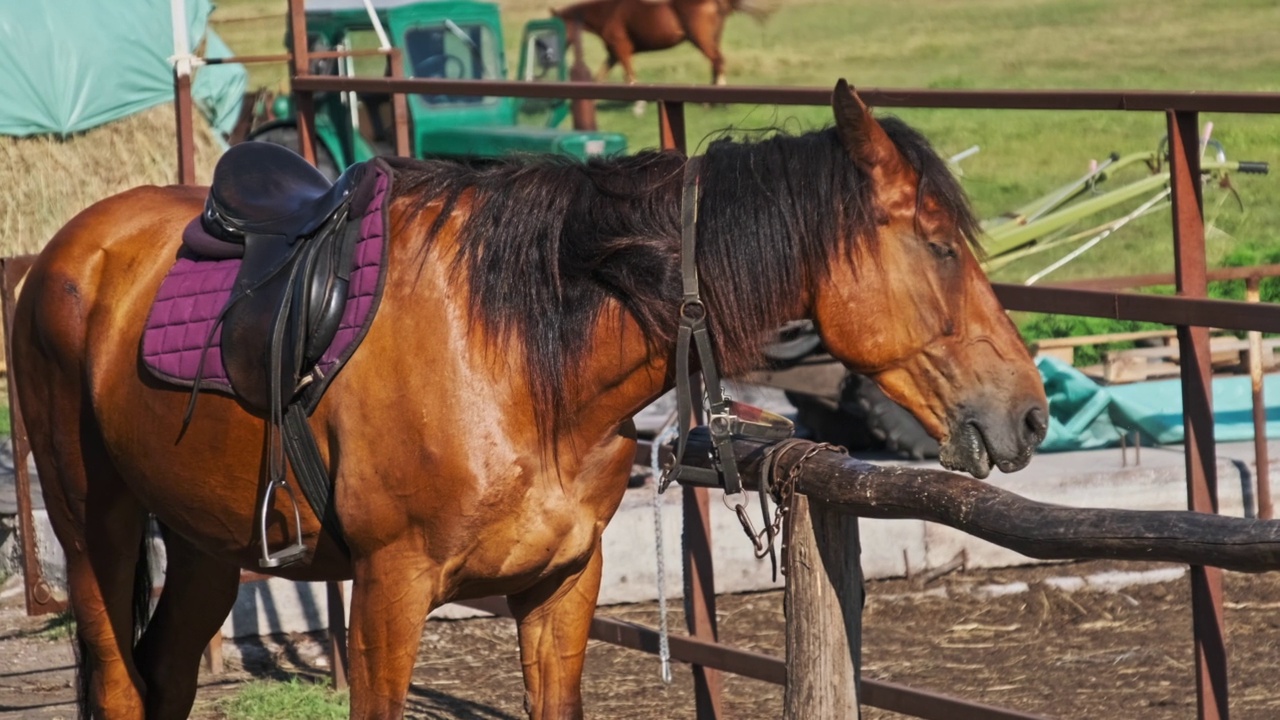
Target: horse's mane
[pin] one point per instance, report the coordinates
(548, 241)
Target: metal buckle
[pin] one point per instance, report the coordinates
(693, 310)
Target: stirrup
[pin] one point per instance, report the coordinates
(297, 550)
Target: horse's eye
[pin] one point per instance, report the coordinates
(943, 252)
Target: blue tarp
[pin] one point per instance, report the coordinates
(70, 65)
(1086, 415)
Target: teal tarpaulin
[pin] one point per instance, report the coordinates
(70, 65)
(1086, 415)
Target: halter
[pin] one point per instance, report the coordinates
(725, 418)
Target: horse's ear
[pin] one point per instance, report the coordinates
(863, 138)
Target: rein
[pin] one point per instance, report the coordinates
(725, 417)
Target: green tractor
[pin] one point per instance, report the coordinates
(451, 39)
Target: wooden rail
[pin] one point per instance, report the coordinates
(1035, 529)
(824, 612)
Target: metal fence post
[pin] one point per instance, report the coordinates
(303, 100)
(1197, 409)
(699, 575)
(39, 596)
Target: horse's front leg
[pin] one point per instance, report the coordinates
(390, 599)
(553, 618)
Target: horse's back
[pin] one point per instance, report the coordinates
(129, 233)
(117, 248)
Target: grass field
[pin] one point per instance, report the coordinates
(1140, 44)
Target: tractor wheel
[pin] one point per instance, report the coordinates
(862, 401)
(286, 135)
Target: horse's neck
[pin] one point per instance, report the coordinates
(622, 374)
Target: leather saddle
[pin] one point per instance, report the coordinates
(296, 233)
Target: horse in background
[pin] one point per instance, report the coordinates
(633, 26)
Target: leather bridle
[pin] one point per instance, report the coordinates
(725, 418)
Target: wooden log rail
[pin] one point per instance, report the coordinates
(1036, 529)
(824, 594)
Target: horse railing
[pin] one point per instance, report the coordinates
(824, 584)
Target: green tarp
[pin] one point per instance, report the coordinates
(70, 65)
(1086, 415)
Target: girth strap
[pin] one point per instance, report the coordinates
(317, 487)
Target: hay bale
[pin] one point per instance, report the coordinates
(47, 179)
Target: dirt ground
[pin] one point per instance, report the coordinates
(1124, 654)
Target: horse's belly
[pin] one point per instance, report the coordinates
(654, 27)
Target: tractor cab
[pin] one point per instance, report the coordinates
(449, 39)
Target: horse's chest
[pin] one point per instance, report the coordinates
(553, 523)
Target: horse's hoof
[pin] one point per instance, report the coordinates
(639, 108)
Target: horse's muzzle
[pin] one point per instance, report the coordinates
(978, 441)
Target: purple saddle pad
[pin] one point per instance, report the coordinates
(197, 287)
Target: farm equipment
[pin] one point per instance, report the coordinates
(451, 39)
(849, 409)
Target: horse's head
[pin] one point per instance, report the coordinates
(910, 307)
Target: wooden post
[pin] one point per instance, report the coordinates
(1262, 462)
(337, 634)
(823, 602)
(213, 654)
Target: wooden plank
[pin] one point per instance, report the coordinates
(1064, 354)
(1079, 340)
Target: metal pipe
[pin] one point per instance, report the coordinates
(1197, 410)
(303, 100)
(1149, 101)
(39, 596)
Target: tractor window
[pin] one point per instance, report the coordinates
(453, 52)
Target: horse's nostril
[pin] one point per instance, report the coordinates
(1036, 423)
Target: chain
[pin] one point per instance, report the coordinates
(782, 492)
(664, 648)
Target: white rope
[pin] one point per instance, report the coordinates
(664, 649)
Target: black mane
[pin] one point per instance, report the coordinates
(548, 241)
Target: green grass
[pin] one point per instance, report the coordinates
(59, 627)
(1141, 44)
(296, 699)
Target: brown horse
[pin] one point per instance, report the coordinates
(481, 437)
(632, 26)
